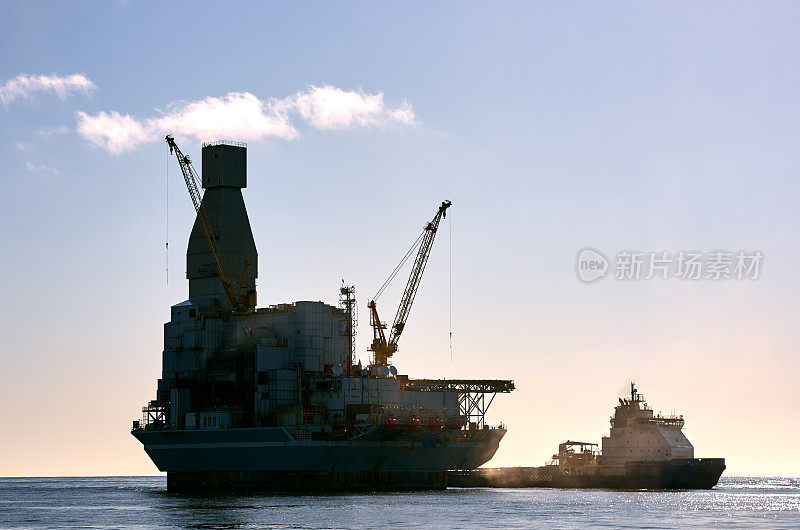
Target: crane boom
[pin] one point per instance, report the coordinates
(237, 297)
(382, 348)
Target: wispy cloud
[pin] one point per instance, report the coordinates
(26, 86)
(22, 146)
(243, 116)
(42, 169)
(46, 132)
(112, 131)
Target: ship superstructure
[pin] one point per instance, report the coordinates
(638, 434)
(271, 397)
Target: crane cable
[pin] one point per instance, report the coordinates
(399, 266)
(166, 249)
(450, 226)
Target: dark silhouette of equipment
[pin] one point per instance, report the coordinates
(241, 300)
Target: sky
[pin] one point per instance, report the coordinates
(553, 127)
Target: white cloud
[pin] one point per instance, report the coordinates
(22, 146)
(328, 107)
(243, 116)
(25, 86)
(238, 115)
(42, 169)
(112, 131)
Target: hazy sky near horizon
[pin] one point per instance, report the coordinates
(552, 126)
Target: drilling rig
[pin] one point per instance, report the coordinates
(270, 397)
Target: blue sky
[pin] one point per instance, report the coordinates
(552, 126)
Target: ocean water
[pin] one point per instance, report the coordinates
(143, 502)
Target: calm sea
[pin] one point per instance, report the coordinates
(142, 502)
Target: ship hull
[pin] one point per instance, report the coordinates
(692, 473)
(270, 458)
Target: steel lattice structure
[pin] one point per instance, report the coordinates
(471, 394)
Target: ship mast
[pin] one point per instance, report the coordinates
(347, 301)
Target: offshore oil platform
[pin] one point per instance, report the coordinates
(272, 397)
(643, 451)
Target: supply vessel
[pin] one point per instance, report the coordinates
(272, 397)
(642, 451)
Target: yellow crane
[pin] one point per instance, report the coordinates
(241, 301)
(382, 348)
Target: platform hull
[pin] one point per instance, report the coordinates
(370, 480)
(270, 458)
(693, 473)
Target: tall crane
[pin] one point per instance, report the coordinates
(383, 349)
(237, 295)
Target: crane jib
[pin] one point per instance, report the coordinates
(416, 275)
(382, 348)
